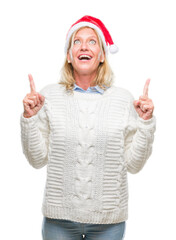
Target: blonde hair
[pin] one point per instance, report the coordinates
(104, 76)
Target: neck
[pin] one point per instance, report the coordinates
(84, 80)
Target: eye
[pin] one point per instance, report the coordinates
(92, 42)
(77, 41)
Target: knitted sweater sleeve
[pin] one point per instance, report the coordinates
(35, 137)
(139, 138)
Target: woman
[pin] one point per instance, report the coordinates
(89, 133)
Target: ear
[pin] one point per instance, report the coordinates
(68, 57)
(102, 58)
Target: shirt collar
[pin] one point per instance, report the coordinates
(94, 88)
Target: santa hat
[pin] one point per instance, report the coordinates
(95, 23)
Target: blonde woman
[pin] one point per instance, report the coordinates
(89, 133)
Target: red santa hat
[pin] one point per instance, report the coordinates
(95, 23)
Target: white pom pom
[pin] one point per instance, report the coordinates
(113, 48)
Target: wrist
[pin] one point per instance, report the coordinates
(146, 123)
(25, 115)
(146, 118)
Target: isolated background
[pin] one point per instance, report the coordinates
(32, 41)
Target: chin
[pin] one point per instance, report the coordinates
(86, 71)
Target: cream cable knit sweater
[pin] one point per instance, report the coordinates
(89, 142)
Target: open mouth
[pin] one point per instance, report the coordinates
(84, 57)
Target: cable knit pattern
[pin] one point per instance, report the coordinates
(89, 143)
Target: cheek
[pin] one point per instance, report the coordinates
(75, 48)
(96, 51)
(73, 52)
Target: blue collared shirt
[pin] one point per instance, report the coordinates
(94, 89)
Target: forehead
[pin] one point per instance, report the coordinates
(86, 31)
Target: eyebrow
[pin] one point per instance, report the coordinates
(91, 36)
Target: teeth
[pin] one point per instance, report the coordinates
(84, 56)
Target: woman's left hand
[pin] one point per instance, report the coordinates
(144, 106)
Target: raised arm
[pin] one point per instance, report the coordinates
(35, 127)
(144, 106)
(33, 101)
(139, 132)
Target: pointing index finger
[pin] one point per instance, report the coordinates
(32, 84)
(145, 91)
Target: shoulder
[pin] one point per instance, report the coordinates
(52, 88)
(123, 93)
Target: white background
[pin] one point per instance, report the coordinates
(32, 41)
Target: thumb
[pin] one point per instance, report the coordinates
(41, 98)
(136, 103)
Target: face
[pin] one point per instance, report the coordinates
(85, 54)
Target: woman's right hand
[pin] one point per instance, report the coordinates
(33, 101)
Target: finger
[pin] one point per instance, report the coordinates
(136, 103)
(149, 107)
(145, 108)
(37, 98)
(32, 85)
(145, 91)
(144, 102)
(34, 99)
(143, 98)
(29, 103)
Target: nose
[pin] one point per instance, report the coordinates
(84, 46)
